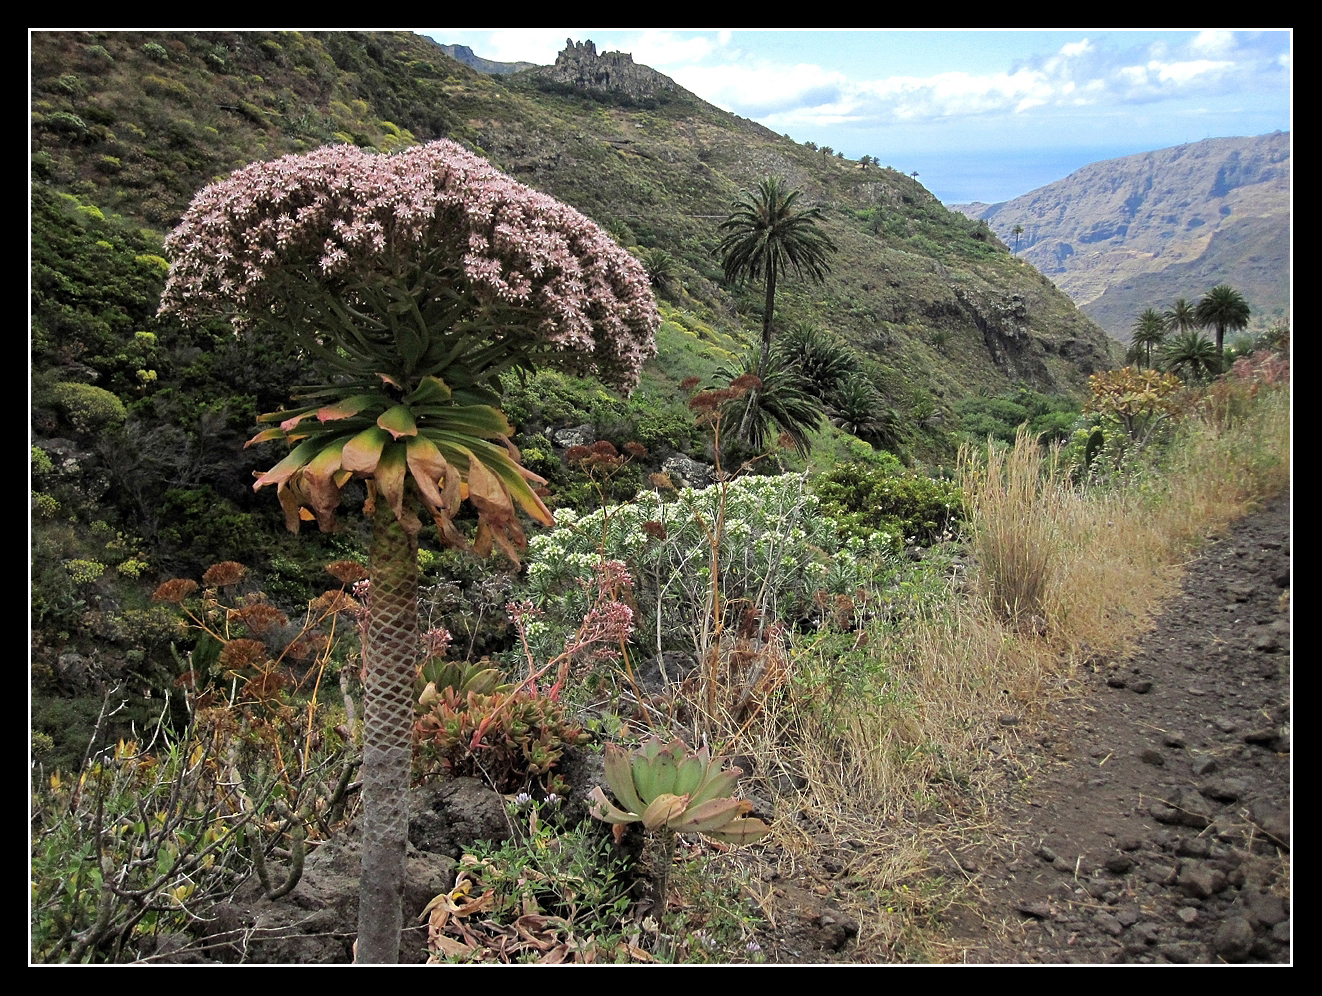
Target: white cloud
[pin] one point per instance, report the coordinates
(663, 50)
(539, 45)
(1213, 42)
(763, 89)
(1076, 48)
(1183, 72)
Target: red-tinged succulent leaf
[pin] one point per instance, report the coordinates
(390, 475)
(663, 810)
(398, 421)
(293, 420)
(386, 378)
(347, 407)
(515, 480)
(363, 451)
(450, 534)
(486, 492)
(285, 469)
(603, 809)
(451, 489)
(265, 436)
(428, 468)
(430, 391)
(743, 831)
(711, 815)
(319, 479)
(291, 503)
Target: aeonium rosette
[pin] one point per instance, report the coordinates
(419, 279)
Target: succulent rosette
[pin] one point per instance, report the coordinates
(668, 787)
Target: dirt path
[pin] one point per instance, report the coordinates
(1158, 828)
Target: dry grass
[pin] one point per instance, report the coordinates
(1062, 574)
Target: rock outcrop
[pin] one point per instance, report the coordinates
(615, 73)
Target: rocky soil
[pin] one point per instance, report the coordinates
(1158, 828)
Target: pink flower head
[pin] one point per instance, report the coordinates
(530, 272)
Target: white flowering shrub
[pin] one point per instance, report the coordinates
(772, 547)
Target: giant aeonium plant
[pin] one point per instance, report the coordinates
(417, 280)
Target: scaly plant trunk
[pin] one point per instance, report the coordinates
(392, 653)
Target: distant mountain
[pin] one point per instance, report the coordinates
(464, 54)
(1126, 234)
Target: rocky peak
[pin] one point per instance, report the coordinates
(579, 65)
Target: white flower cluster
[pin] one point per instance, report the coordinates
(775, 550)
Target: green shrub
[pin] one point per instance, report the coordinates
(203, 528)
(569, 877)
(160, 86)
(44, 506)
(864, 500)
(89, 408)
(155, 52)
(66, 122)
(776, 550)
(40, 461)
(84, 571)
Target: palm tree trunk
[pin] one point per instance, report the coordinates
(392, 653)
(766, 315)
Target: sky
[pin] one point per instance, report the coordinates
(980, 115)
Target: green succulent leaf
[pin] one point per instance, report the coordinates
(619, 776)
(398, 421)
(689, 774)
(430, 391)
(718, 783)
(603, 809)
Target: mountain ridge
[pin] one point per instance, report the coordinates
(1125, 234)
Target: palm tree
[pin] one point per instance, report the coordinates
(857, 408)
(417, 280)
(765, 235)
(1149, 331)
(1017, 231)
(1190, 355)
(780, 397)
(823, 361)
(1180, 317)
(661, 267)
(1222, 308)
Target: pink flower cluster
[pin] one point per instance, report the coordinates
(1268, 368)
(434, 218)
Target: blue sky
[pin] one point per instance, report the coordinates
(981, 115)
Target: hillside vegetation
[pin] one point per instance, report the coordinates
(136, 123)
